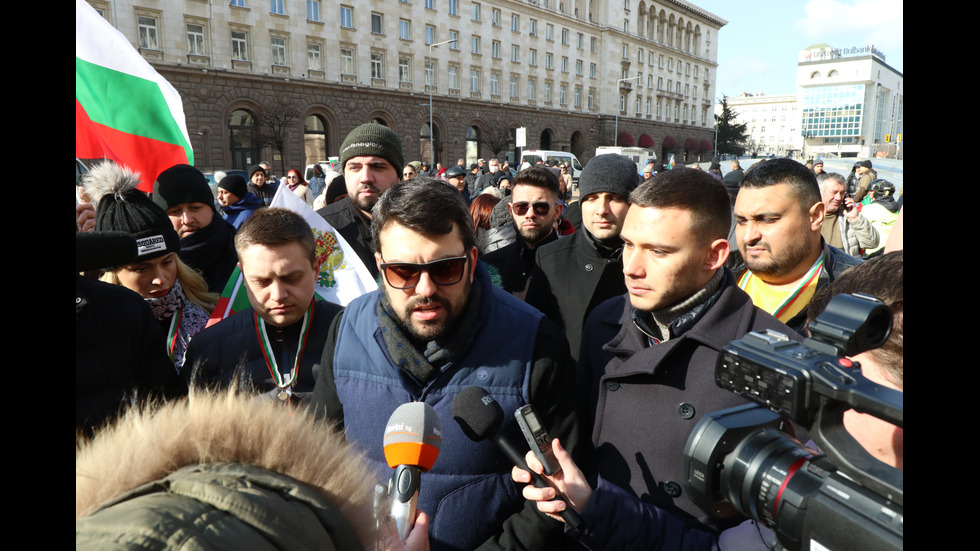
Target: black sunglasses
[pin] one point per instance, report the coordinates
(406, 275)
(541, 208)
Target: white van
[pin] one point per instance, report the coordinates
(639, 155)
(549, 155)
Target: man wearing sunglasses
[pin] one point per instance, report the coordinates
(576, 274)
(437, 326)
(369, 158)
(535, 209)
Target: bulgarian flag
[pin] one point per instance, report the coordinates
(124, 109)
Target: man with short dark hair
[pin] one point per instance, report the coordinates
(432, 330)
(275, 344)
(371, 160)
(206, 239)
(576, 274)
(237, 202)
(647, 368)
(778, 214)
(535, 209)
(844, 226)
(261, 184)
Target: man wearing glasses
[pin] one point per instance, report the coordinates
(535, 209)
(434, 328)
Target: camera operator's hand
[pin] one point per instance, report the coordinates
(569, 480)
(417, 540)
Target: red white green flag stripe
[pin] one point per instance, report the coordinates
(124, 109)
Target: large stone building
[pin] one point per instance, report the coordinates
(850, 102)
(772, 123)
(311, 70)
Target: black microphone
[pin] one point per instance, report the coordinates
(480, 417)
(104, 249)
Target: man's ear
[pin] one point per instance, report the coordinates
(817, 214)
(474, 254)
(377, 260)
(720, 249)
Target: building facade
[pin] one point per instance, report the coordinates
(285, 80)
(851, 102)
(772, 123)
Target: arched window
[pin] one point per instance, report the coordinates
(424, 143)
(315, 139)
(242, 141)
(815, 74)
(472, 145)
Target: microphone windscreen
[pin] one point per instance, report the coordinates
(477, 413)
(104, 249)
(413, 436)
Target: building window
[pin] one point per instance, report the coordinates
(670, 64)
(347, 17)
(549, 61)
(533, 27)
(238, 3)
(578, 97)
(648, 106)
(549, 32)
(564, 64)
(404, 29)
(495, 84)
(495, 49)
(532, 89)
(279, 51)
(515, 53)
(454, 40)
(547, 92)
(195, 39)
(660, 62)
(430, 73)
(532, 57)
(578, 67)
(591, 98)
(476, 11)
(313, 10)
(347, 61)
(404, 69)
(660, 83)
(453, 77)
(148, 33)
(515, 23)
(622, 103)
(377, 23)
(514, 83)
(591, 70)
(475, 81)
(239, 45)
(495, 17)
(562, 93)
(430, 4)
(593, 44)
(430, 34)
(313, 57)
(578, 41)
(564, 36)
(275, 6)
(377, 65)
(453, 7)
(475, 44)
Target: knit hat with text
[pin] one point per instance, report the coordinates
(373, 139)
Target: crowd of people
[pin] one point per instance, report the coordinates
(606, 314)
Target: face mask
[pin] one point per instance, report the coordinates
(494, 168)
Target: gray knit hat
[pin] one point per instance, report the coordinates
(610, 173)
(375, 140)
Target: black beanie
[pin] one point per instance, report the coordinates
(373, 139)
(181, 184)
(122, 207)
(610, 173)
(234, 184)
(254, 169)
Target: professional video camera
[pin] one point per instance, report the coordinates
(741, 460)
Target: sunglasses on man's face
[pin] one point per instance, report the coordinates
(406, 275)
(541, 208)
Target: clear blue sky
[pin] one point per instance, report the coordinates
(757, 49)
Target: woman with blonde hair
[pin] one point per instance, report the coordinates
(177, 295)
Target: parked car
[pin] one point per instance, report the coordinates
(549, 155)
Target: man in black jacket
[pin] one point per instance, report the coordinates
(275, 344)
(576, 274)
(371, 159)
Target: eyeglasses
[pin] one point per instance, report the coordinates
(541, 208)
(406, 275)
(292, 177)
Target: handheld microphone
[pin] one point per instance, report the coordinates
(480, 417)
(411, 445)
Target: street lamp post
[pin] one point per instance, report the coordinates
(616, 136)
(430, 85)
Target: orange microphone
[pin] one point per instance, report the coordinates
(411, 445)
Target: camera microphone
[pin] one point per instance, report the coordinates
(411, 445)
(480, 417)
